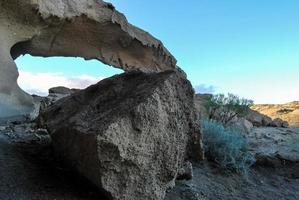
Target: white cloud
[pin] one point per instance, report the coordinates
(205, 89)
(39, 83)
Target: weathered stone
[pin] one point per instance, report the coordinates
(272, 146)
(41, 103)
(186, 171)
(258, 119)
(3, 128)
(266, 121)
(279, 123)
(60, 90)
(129, 134)
(285, 124)
(41, 131)
(241, 124)
(90, 29)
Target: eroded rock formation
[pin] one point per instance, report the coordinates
(91, 29)
(129, 134)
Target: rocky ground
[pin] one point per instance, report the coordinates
(29, 170)
(209, 183)
(274, 176)
(273, 145)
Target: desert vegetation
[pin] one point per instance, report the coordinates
(227, 147)
(223, 108)
(224, 144)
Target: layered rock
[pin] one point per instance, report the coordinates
(129, 134)
(90, 29)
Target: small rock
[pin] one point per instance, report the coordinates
(3, 128)
(279, 123)
(41, 131)
(186, 171)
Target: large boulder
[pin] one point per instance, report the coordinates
(258, 119)
(241, 124)
(130, 134)
(91, 29)
(279, 123)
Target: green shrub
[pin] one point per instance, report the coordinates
(227, 147)
(223, 108)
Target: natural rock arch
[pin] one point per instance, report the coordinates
(89, 29)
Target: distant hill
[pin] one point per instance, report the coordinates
(257, 116)
(288, 112)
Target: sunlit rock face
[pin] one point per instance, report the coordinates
(91, 29)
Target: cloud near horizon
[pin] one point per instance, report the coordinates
(205, 89)
(40, 83)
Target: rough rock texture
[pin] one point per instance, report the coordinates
(61, 90)
(276, 146)
(258, 119)
(91, 29)
(242, 124)
(128, 134)
(29, 169)
(185, 172)
(288, 112)
(199, 100)
(41, 103)
(279, 123)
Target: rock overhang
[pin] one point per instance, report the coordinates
(91, 29)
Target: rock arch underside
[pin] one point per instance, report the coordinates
(89, 29)
(131, 134)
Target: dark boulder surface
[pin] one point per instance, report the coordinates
(60, 90)
(129, 134)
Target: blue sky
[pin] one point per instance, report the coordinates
(250, 48)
